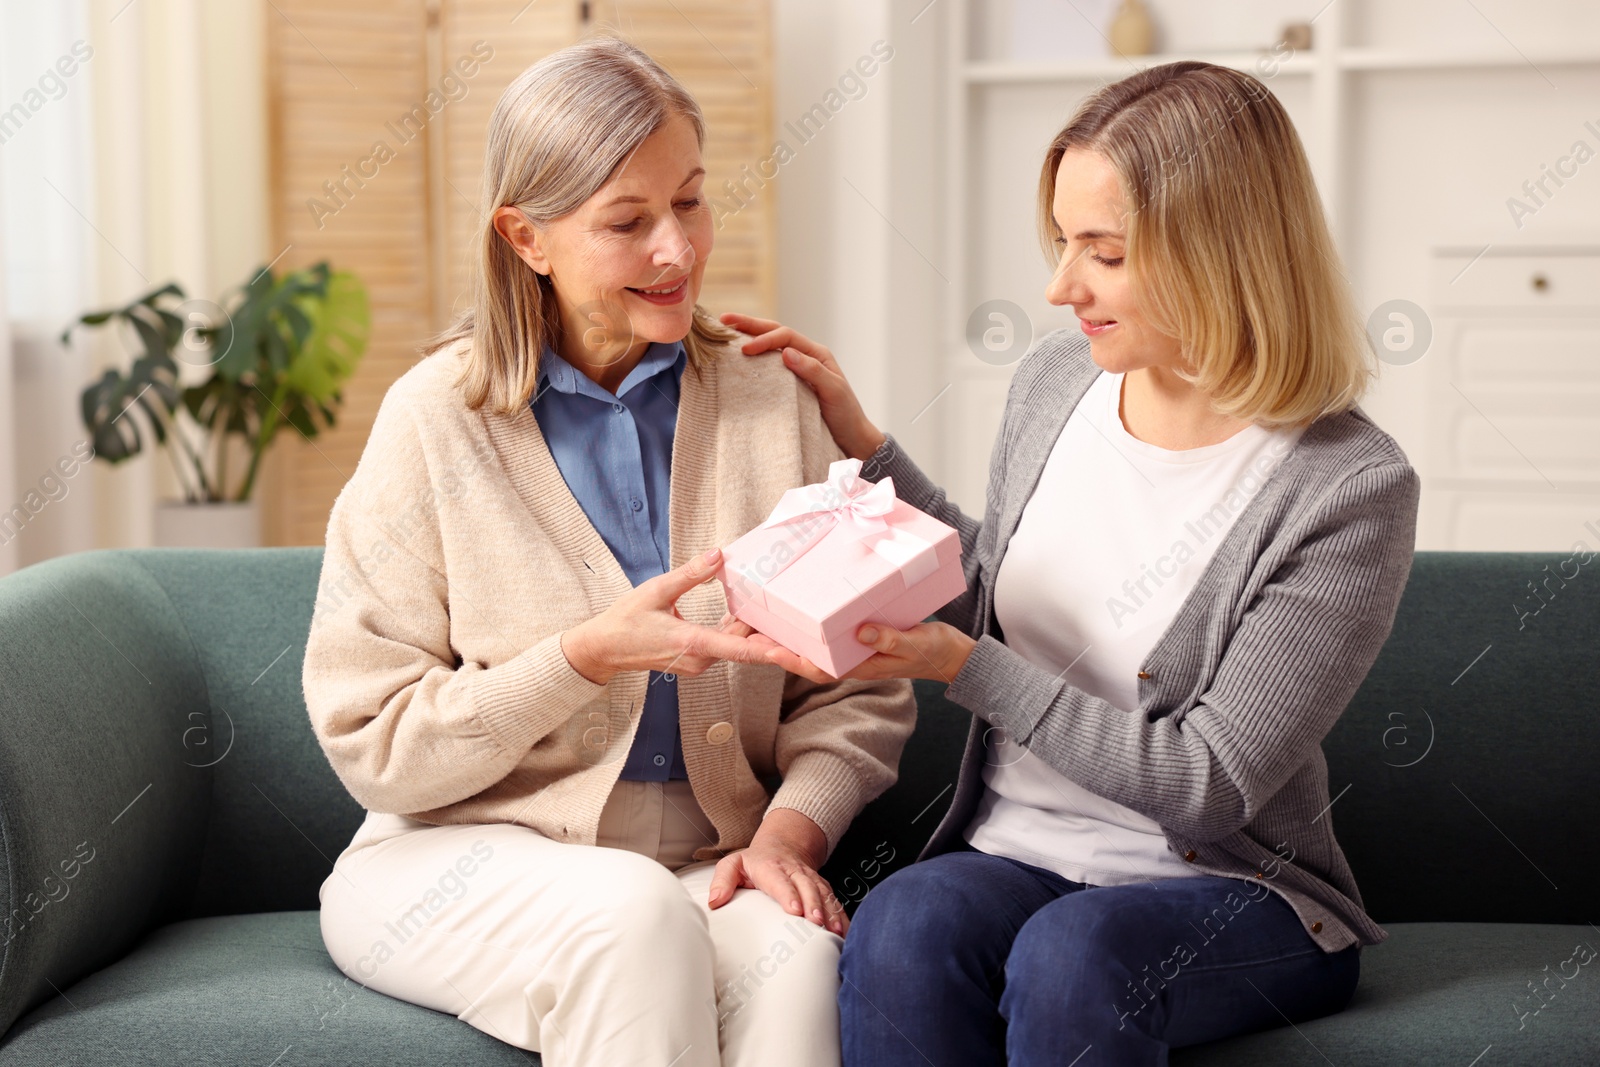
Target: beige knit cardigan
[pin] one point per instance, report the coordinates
(456, 557)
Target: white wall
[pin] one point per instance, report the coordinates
(860, 248)
(152, 167)
(49, 252)
(234, 117)
(8, 481)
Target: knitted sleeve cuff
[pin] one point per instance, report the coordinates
(1001, 687)
(825, 788)
(527, 697)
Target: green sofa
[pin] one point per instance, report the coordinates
(167, 818)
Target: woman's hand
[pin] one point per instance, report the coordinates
(933, 650)
(643, 631)
(782, 862)
(813, 364)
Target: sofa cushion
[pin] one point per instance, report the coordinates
(241, 989)
(1462, 774)
(247, 989)
(277, 815)
(101, 819)
(891, 830)
(1446, 993)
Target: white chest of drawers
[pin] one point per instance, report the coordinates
(1513, 400)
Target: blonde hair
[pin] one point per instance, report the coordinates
(557, 134)
(1227, 246)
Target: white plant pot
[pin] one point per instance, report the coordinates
(220, 525)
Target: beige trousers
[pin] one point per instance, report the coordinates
(601, 955)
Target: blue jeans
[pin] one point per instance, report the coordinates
(969, 959)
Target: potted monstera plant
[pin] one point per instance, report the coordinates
(212, 385)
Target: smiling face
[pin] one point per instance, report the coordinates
(627, 264)
(1091, 216)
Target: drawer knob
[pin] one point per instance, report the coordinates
(1540, 283)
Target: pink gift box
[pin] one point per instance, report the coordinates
(837, 554)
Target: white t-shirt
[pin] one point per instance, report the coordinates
(1115, 535)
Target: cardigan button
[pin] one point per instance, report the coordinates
(1146, 674)
(1260, 875)
(1316, 928)
(720, 733)
(1188, 857)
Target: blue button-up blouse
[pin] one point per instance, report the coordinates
(614, 452)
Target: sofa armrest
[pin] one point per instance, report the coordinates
(102, 806)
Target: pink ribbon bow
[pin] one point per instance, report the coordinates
(845, 503)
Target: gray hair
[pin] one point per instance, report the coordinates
(557, 134)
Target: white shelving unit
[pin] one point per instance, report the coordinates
(995, 72)
(1360, 59)
(1098, 70)
(1320, 87)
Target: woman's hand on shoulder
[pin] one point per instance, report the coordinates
(782, 862)
(643, 631)
(813, 364)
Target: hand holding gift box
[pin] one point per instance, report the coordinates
(834, 555)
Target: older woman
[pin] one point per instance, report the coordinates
(518, 664)
(1194, 547)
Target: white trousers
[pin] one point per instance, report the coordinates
(602, 955)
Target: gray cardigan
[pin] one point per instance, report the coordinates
(1224, 750)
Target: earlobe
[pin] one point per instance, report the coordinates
(515, 229)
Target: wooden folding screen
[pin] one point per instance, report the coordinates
(377, 134)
